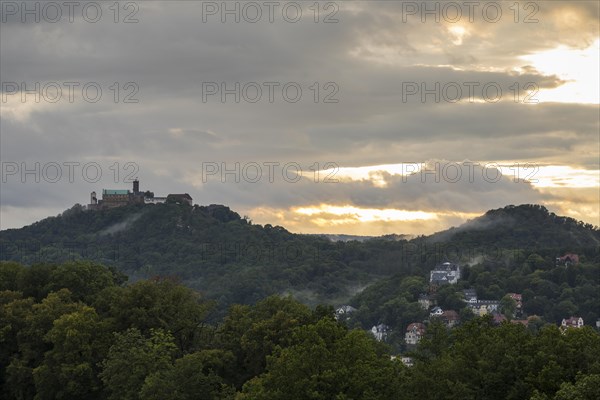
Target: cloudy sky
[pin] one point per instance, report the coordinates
(358, 117)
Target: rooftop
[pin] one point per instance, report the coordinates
(115, 191)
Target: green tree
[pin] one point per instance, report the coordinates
(587, 387)
(253, 333)
(69, 370)
(160, 303)
(508, 306)
(133, 358)
(328, 362)
(196, 376)
(83, 278)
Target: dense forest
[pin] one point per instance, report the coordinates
(79, 330)
(233, 261)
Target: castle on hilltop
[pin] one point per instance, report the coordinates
(112, 198)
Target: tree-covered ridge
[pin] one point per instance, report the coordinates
(78, 331)
(231, 260)
(524, 226)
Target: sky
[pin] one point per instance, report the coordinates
(355, 117)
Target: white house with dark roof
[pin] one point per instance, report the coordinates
(446, 273)
(436, 312)
(573, 322)
(344, 311)
(380, 331)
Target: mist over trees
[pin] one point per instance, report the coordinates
(179, 302)
(78, 330)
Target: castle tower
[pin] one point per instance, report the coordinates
(93, 198)
(136, 186)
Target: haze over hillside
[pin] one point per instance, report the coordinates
(213, 249)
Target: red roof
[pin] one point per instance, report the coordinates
(450, 315)
(416, 325)
(574, 258)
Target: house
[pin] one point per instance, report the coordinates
(470, 295)
(450, 318)
(425, 301)
(518, 298)
(344, 311)
(568, 259)
(446, 273)
(573, 322)
(180, 198)
(414, 333)
(483, 307)
(408, 361)
(380, 331)
(436, 312)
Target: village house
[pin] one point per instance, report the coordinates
(573, 322)
(483, 307)
(470, 295)
(436, 312)
(446, 273)
(450, 318)
(408, 361)
(380, 331)
(518, 300)
(344, 311)
(414, 333)
(425, 301)
(567, 259)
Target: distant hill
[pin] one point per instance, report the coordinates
(528, 225)
(210, 248)
(213, 249)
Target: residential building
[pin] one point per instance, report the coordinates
(436, 312)
(425, 301)
(450, 318)
(380, 331)
(408, 361)
(414, 333)
(344, 311)
(483, 307)
(568, 259)
(518, 298)
(470, 295)
(446, 273)
(573, 322)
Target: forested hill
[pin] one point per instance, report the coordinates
(524, 226)
(213, 249)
